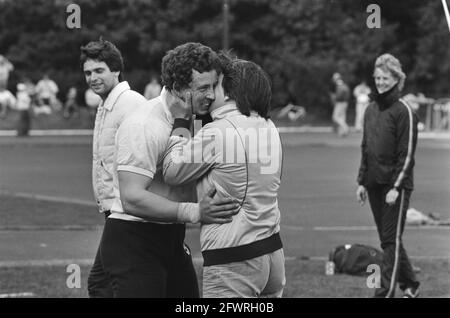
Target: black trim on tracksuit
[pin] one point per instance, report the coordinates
(243, 252)
(387, 162)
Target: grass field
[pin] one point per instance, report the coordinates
(305, 278)
(316, 199)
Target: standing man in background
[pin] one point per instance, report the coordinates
(361, 93)
(153, 89)
(92, 101)
(5, 68)
(102, 65)
(23, 106)
(7, 102)
(340, 98)
(46, 90)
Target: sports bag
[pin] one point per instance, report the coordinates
(354, 259)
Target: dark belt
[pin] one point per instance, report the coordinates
(243, 252)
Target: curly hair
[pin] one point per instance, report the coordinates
(388, 62)
(103, 51)
(177, 64)
(247, 84)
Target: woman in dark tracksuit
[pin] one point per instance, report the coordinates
(386, 172)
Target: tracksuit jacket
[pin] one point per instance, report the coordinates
(389, 142)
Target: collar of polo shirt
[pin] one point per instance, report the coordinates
(163, 97)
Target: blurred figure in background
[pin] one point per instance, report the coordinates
(153, 89)
(7, 101)
(340, 98)
(71, 106)
(92, 101)
(5, 68)
(361, 93)
(46, 90)
(31, 90)
(23, 106)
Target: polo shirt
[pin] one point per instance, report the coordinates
(140, 145)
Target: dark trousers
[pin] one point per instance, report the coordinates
(390, 221)
(99, 285)
(147, 260)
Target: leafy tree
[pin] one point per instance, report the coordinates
(300, 43)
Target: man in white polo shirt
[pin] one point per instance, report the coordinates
(240, 154)
(102, 65)
(143, 248)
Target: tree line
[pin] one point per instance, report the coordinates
(300, 43)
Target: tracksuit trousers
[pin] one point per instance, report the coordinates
(390, 222)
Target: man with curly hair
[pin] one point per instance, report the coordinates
(143, 242)
(240, 154)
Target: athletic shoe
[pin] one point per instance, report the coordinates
(411, 292)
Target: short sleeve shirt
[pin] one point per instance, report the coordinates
(141, 142)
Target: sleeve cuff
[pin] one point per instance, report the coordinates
(137, 170)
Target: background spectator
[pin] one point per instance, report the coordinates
(46, 90)
(7, 100)
(153, 89)
(340, 98)
(23, 106)
(5, 68)
(92, 101)
(71, 106)
(361, 93)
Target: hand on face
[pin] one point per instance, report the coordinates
(180, 107)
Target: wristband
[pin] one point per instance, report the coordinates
(181, 123)
(188, 213)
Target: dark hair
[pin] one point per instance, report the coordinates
(103, 51)
(247, 84)
(177, 64)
